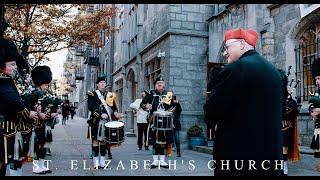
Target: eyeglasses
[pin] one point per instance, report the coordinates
(226, 46)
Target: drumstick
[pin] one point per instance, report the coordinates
(147, 138)
(149, 124)
(210, 134)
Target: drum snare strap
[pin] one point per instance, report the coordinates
(104, 103)
(5, 149)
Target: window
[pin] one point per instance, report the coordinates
(103, 37)
(102, 71)
(129, 49)
(306, 52)
(153, 69)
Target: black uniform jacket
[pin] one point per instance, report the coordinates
(12, 107)
(96, 108)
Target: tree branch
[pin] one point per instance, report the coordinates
(31, 14)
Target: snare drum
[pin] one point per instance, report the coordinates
(163, 120)
(114, 132)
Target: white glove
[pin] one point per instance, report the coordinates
(117, 115)
(104, 116)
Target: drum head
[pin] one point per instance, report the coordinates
(162, 113)
(114, 124)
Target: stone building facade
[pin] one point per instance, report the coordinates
(170, 39)
(182, 42)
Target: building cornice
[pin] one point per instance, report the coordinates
(174, 32)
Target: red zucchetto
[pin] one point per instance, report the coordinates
(250, 35)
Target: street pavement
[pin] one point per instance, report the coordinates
(71, 157)
(71, 146)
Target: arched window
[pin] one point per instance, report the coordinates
(306, 51)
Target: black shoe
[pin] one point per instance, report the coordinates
(147, 148)
(48, 171)
(48, 152)
(179, 155)
(42, 172)
(109, 156)
(140, 148)
(166, 166)
(153, 166)
(100, 167)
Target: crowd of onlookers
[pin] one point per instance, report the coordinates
(67, 109)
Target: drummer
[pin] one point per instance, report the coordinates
(103, 108)
(151, 103)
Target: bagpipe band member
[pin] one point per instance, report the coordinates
(176, 109)
(41, 77)
(103, 108)
(12, 110)
(23, 80)
(314, 108)
(290, 147)
(151, 103)
(51, 103)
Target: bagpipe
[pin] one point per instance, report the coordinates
(289, 87)
(23, 79)
(314, 101)
(291, 106)
(51, 105)
(290, 119)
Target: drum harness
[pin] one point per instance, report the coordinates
(101, 127)
(159, 108)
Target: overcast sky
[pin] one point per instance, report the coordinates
(56, 62)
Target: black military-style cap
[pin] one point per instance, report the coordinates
(102, 78)
(8, 51)
(159, 78)
(41, 75)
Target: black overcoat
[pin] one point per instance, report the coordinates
(246, 103)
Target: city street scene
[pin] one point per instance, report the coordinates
(159, 89)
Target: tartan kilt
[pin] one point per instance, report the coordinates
(161, 137)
